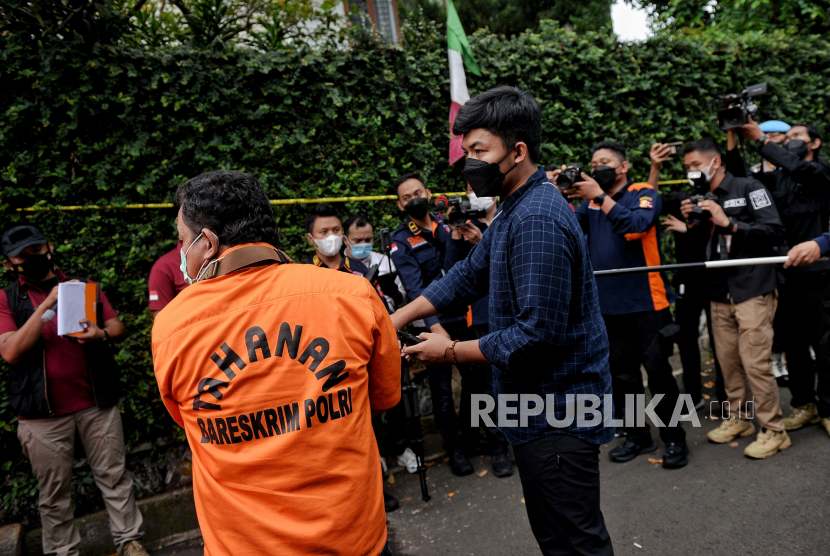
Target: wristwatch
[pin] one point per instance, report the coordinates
(759, 142)
(106, 337)
(733, 223)
(598, 200)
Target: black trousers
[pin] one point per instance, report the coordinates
(475, 379)
(393, 436)
(560, 482)
(804, 304)
(687, 310)
(635, 340)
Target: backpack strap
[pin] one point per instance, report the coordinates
(245, 257)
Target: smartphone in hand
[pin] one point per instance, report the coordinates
(408, 339)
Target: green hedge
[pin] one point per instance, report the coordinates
(128, 125)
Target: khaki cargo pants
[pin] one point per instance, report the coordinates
(743, 342)
(49, 444)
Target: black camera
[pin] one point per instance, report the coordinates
(569, 176)
(462, 212)
(737, 107)
(699, 215)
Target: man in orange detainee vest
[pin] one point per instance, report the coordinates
(274, 370)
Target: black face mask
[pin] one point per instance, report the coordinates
(605, 176)
(798, 147)
(485, 177)
(36, 267)
(417, 208)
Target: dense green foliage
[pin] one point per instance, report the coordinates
(129, 122)
(739, 16)
(511, 17)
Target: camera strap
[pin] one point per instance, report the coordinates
(246, 257)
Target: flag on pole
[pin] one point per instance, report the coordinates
(460, 55)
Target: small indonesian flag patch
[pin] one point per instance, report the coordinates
(154, 295)
(394, 248)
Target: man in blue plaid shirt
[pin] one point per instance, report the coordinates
(547, 340)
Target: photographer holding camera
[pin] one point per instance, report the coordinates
(800, 187)
(479, 378)
(691, 285)
(418, 253)
(621, 220)
(744, 224)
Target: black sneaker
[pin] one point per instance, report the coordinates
(629, 450)
(502, 465)
(676, 455)
(459, 464)
(390, 502)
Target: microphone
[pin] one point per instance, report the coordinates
(50, 313)
(441, 202)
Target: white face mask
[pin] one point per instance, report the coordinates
(480, 203)
(706, 171)
(183, 266)
(329, 245)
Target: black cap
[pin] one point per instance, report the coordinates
(19, 238)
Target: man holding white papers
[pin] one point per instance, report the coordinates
(61, 386)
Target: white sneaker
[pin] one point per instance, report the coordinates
(383, 465)
(409, 460)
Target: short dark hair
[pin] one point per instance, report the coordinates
(551, 168)
(319, 211)
(231, 204)
(611, 146)
(814, 134)
(356, 220)
(704, 145)
(509, 112)
(405, 177)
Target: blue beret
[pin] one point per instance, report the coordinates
(775, 126)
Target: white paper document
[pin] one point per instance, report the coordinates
(71, 307)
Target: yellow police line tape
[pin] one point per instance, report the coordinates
(273, 201)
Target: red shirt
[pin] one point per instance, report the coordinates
(166, 279)
(68, 385)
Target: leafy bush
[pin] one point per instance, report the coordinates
(120, 123)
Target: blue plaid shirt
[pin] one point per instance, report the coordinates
(547, 335)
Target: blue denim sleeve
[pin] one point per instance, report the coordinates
(541, 258)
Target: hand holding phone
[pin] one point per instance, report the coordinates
(408, 339)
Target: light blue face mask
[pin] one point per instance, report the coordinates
(361, 250)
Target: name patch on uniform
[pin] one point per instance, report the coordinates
(646, 203)
(154, 296)
(759, 199)
(731, 203)
(415, 240)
